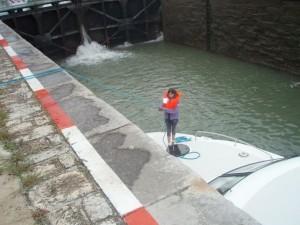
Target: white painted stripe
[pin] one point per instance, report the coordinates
(34, 83)
(10, 51)
(117, 192)
(26, 72)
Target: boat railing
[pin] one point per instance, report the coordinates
(234, 139)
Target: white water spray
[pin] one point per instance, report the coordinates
(127, 44)
(295, 84)
(91, 52)
(86, 37)
(158, 39)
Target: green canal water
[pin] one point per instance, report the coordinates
(220, 94)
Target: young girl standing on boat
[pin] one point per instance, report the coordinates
(170, 107)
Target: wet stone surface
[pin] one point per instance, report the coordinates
(87, 114)
(119, 158)
(54, 79)
(63, 91)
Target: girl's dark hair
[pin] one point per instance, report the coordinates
(173, 91)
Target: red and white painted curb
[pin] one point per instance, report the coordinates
(120, 196)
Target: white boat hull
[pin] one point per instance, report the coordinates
(216, 156)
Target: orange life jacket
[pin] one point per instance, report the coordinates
(171, 103)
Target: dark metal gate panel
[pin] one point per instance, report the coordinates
(56, 27)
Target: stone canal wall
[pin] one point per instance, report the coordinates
(263, 32)
(185, 21)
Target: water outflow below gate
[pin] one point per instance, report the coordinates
(253, 103)
(53, 26)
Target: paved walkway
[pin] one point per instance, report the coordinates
(66, 189)
(12, 200)
(13, 206)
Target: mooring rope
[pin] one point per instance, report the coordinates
(115, 90)
(42, 73)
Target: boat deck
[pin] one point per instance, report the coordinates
(216, 157)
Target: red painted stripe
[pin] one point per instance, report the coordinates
(18, 62)
(139, 217)
(3, 43)
(60, 118)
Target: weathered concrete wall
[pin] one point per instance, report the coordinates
(264, 32)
